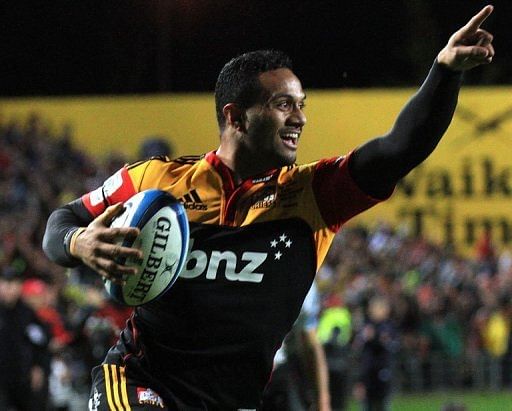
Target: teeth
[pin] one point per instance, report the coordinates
(291, 135)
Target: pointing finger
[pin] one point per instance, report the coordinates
(476, 21)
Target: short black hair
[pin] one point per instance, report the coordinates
(238, 80)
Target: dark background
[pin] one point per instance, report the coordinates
(146, 46)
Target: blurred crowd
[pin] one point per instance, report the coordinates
(397, 311)
(55, 324)
(412, 315)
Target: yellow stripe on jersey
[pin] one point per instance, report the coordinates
(108, 388)
(124, 393)
(115, 388)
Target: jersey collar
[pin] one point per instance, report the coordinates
(227, 174)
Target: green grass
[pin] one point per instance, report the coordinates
(474, 401)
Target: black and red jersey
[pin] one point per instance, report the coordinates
(255, 248)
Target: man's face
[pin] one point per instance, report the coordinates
(274, 124)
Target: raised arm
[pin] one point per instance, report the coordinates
(378, 164)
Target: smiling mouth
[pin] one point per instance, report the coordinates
(290, 139)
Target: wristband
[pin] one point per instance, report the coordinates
(72, 241)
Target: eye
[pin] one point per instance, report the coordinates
(289, 105)
(283, 105)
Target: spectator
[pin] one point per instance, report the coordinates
(335, 333)
(378, 345)
(24, 358)
(496, 339)
(38, 295)
(156, 146)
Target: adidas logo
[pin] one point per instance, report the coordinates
(192, 201)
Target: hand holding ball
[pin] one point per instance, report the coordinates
(163, 239)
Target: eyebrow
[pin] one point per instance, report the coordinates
(279, 95)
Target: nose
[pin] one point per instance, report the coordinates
(297, 117)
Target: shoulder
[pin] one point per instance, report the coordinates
(323, 167)
(152, 169)
(164, 161)
(190, 160)
(332, 163)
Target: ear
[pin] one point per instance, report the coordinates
(234, 116)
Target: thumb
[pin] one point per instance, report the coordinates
(105, 218)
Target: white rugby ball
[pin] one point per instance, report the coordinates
(163, 239)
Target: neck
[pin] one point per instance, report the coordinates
(241, 166)
(241, 161)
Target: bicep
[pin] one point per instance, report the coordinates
(338, 195)
(377, 165)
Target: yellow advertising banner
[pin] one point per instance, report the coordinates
(463, 189)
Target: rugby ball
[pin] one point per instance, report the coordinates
(163, 239)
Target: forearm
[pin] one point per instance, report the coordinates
(319, 370)
(322, 380)
(59, 229)
(424, 119)
(379, 164)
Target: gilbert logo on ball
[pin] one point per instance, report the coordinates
(163, 238)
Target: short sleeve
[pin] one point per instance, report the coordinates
(337, 195)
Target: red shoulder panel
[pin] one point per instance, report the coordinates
(337, 194)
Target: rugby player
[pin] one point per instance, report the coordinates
(260, 228)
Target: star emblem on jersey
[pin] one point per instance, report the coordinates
(281, 243)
